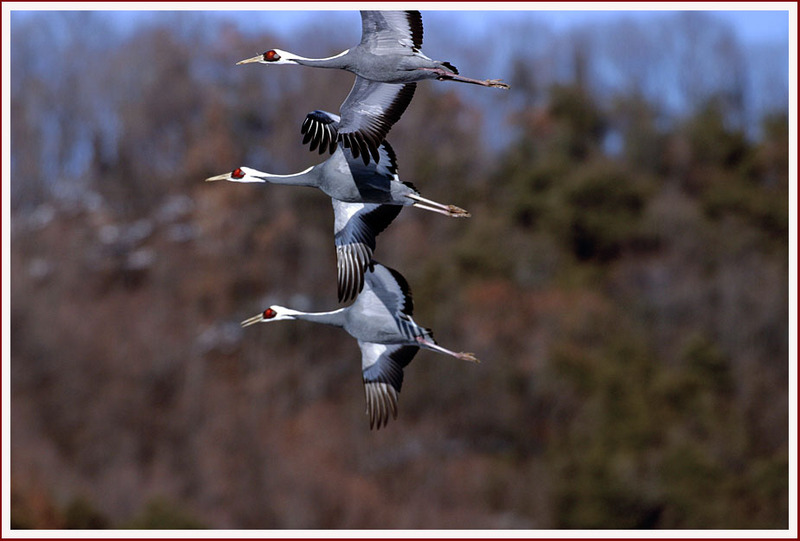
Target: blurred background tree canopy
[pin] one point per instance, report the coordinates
(624, 278)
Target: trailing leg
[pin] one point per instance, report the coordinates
(433, 346)
(444, 75)
(448, 210)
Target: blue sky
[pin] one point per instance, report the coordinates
(752, 26)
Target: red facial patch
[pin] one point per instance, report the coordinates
(237, 173)
(271, 56)
(269, 313)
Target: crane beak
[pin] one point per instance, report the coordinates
(252, 321)
(258, 58)
(224, 176)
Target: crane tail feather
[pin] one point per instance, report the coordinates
(451, 67)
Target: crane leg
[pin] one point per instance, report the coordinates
(448, 210)
(444, 75)
(436, 347)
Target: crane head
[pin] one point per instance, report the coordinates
(273, 56)
(273, 313)
(240, 174)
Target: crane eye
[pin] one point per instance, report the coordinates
(269, 313)
(238, 173)
(271, 56)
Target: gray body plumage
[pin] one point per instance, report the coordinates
(381, 313)
(391, 65)
(388, 62)
(389, 51)
(344, 178)
(351, 181)
(366, 198)
(380, 320)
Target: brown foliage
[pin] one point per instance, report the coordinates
(631, 316)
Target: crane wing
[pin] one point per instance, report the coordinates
(369, 112)
(356, 225)
(321, 128)
(391, 288)
(385, 165)
(382, 370)
(391, 30)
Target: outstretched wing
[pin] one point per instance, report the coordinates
(356, 225)
(391, 288)
(382, 369)
(388, 30)
(367, 114)
(321, 128)
(385, 166)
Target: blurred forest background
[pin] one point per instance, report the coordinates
(624, 279)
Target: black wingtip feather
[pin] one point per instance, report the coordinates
(364, 149)
(368, 139)
(415, 24)
(391, 155)
(374, 151)
(320, 130)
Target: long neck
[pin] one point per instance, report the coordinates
(339, 61)
(303, 178)
(335, 318)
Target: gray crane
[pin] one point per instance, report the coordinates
(366, 198)
(387, 63)
(380, 319)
